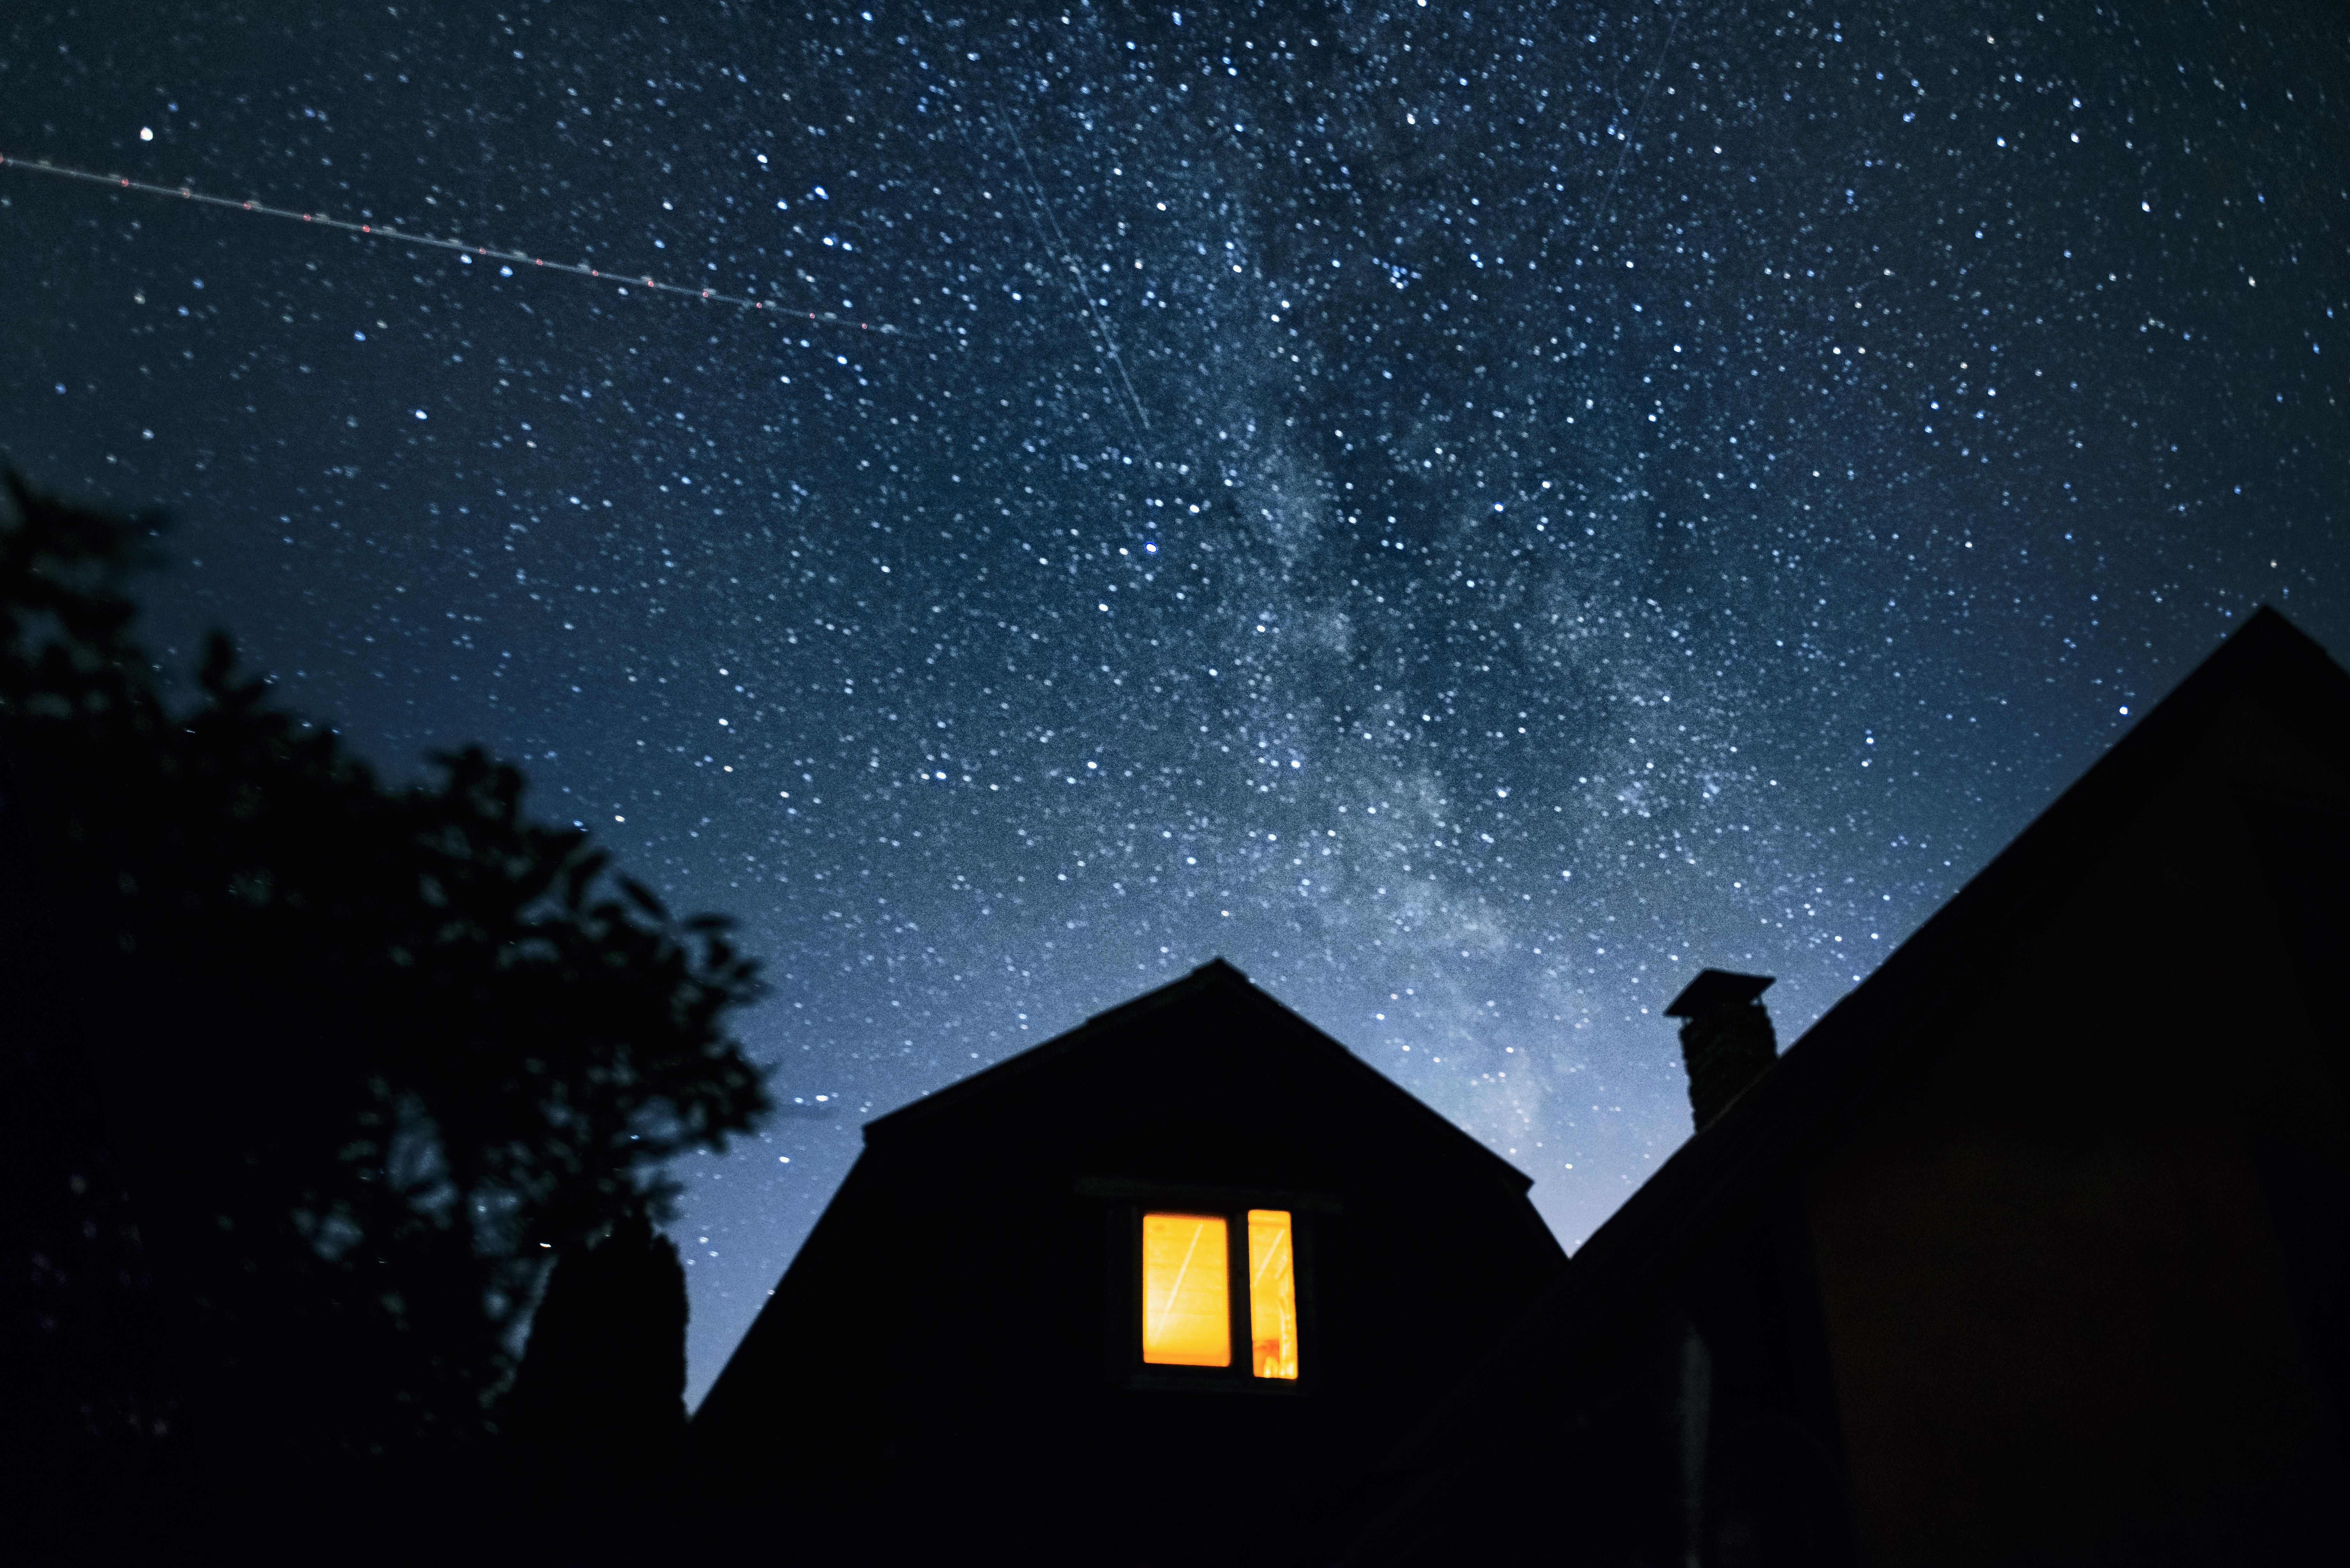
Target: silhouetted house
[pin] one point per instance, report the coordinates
(2035, 1249)
(1149, 1287)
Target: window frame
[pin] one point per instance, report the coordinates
(1124, 1202)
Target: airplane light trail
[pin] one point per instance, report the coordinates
(384, 231)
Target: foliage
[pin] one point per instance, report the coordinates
(302, 1076)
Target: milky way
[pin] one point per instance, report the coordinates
(1471, 513)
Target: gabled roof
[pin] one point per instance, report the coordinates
(1215, 986)
(1808, 1094)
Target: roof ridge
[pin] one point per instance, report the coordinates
(1216, 974)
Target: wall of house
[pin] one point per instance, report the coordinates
(2064, 1321)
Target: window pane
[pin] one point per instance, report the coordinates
(1272, 1295)
(1187, 1315)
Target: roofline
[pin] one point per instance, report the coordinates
(1215, 974)
(1856, 1045)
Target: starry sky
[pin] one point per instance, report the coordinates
(1472, 512)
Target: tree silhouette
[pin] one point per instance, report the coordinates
(597, 1415)
(303, 1079)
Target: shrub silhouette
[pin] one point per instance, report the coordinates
(597, 1415)
(303, 1079)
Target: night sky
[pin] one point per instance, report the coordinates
(1471, 513)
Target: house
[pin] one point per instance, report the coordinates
(2034, 1249)
(1154, 1288)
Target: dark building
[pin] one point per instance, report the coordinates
(2035, 1249)
(1157, 1287)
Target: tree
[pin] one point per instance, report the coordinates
(597, 1415)
(303, 1078)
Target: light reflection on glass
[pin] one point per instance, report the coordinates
(1186, 1317)
(1272, 1295)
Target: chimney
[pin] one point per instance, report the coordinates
(1726, 1041)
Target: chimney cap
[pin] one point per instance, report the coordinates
(1715, 988)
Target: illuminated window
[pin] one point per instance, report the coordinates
(1272, 1295)
(1188, 1316)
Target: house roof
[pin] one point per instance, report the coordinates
(1806, 1094)
(1215, 985)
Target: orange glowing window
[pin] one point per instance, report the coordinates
(1186, 1318)
(1272, 1295)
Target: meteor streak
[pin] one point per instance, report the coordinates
(404, 236)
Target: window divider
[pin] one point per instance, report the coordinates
(1129, 1201)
